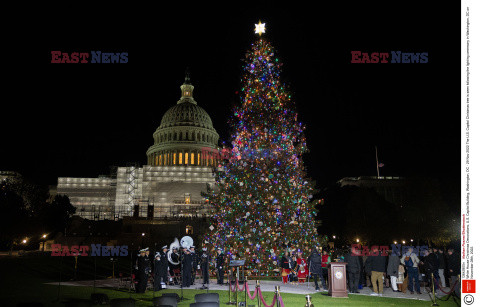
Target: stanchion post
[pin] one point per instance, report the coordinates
(277, 291)
(257, 286)
(433, 291)
(236, 288)
(245, 287)
(309, 301)
(229, 291)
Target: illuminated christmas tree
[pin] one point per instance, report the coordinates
(263, 201)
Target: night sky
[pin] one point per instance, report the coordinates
(77, 120)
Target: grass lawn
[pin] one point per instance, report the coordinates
(22, 280)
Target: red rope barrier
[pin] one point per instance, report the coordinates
(280, 300)
(234, 288)
(263, 300)
(238, 286)
(254, 292)
(451, 288)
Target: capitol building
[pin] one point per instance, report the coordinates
(181, 163)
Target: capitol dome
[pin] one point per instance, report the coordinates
(186, 135)
(186, 114)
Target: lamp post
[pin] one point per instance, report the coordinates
(44, 236)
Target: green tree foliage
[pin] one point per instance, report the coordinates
(264, 200)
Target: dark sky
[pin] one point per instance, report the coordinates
(79, 119)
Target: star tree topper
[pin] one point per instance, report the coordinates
(260, 28)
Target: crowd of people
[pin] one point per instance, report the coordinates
(176, 267)
(400, 272)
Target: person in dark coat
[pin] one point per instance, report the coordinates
(392, 270)
(220, 263)
(354, 267)
(205, 266)
(315, 268)
(187, 268)
(161, 269)
(441, 267)
(431, 264)
(195, 263)
(376, 265)
(175, 268)
(144, 269)
(453, 265)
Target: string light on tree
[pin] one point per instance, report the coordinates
(264, 202)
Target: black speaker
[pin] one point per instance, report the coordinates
(205, 304)
(175, 295)
(207, 297)
(165, 300)
(99, 298)
(78, 302)
(122, 302)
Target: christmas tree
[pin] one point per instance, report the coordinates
(263, 201)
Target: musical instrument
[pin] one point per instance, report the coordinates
(186, 242)
(174, 245)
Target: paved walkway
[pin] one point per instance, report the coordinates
(266, 286)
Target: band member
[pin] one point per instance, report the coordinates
(175, 266)
(144, 269)
(187, 268)
(161, 268)
(220, 266)
(195, 263)
(205, 266)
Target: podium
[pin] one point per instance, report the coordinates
(337, 279)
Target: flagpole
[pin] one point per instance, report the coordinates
(376, 156)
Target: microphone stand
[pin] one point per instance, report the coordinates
(182, 256)
(154, 260)
(131, 272)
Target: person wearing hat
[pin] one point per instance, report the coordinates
(187, 268)
(205, 265)
(175, 267)
(144, 268)
(194, 263)
(161, 268)
(219, 266)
